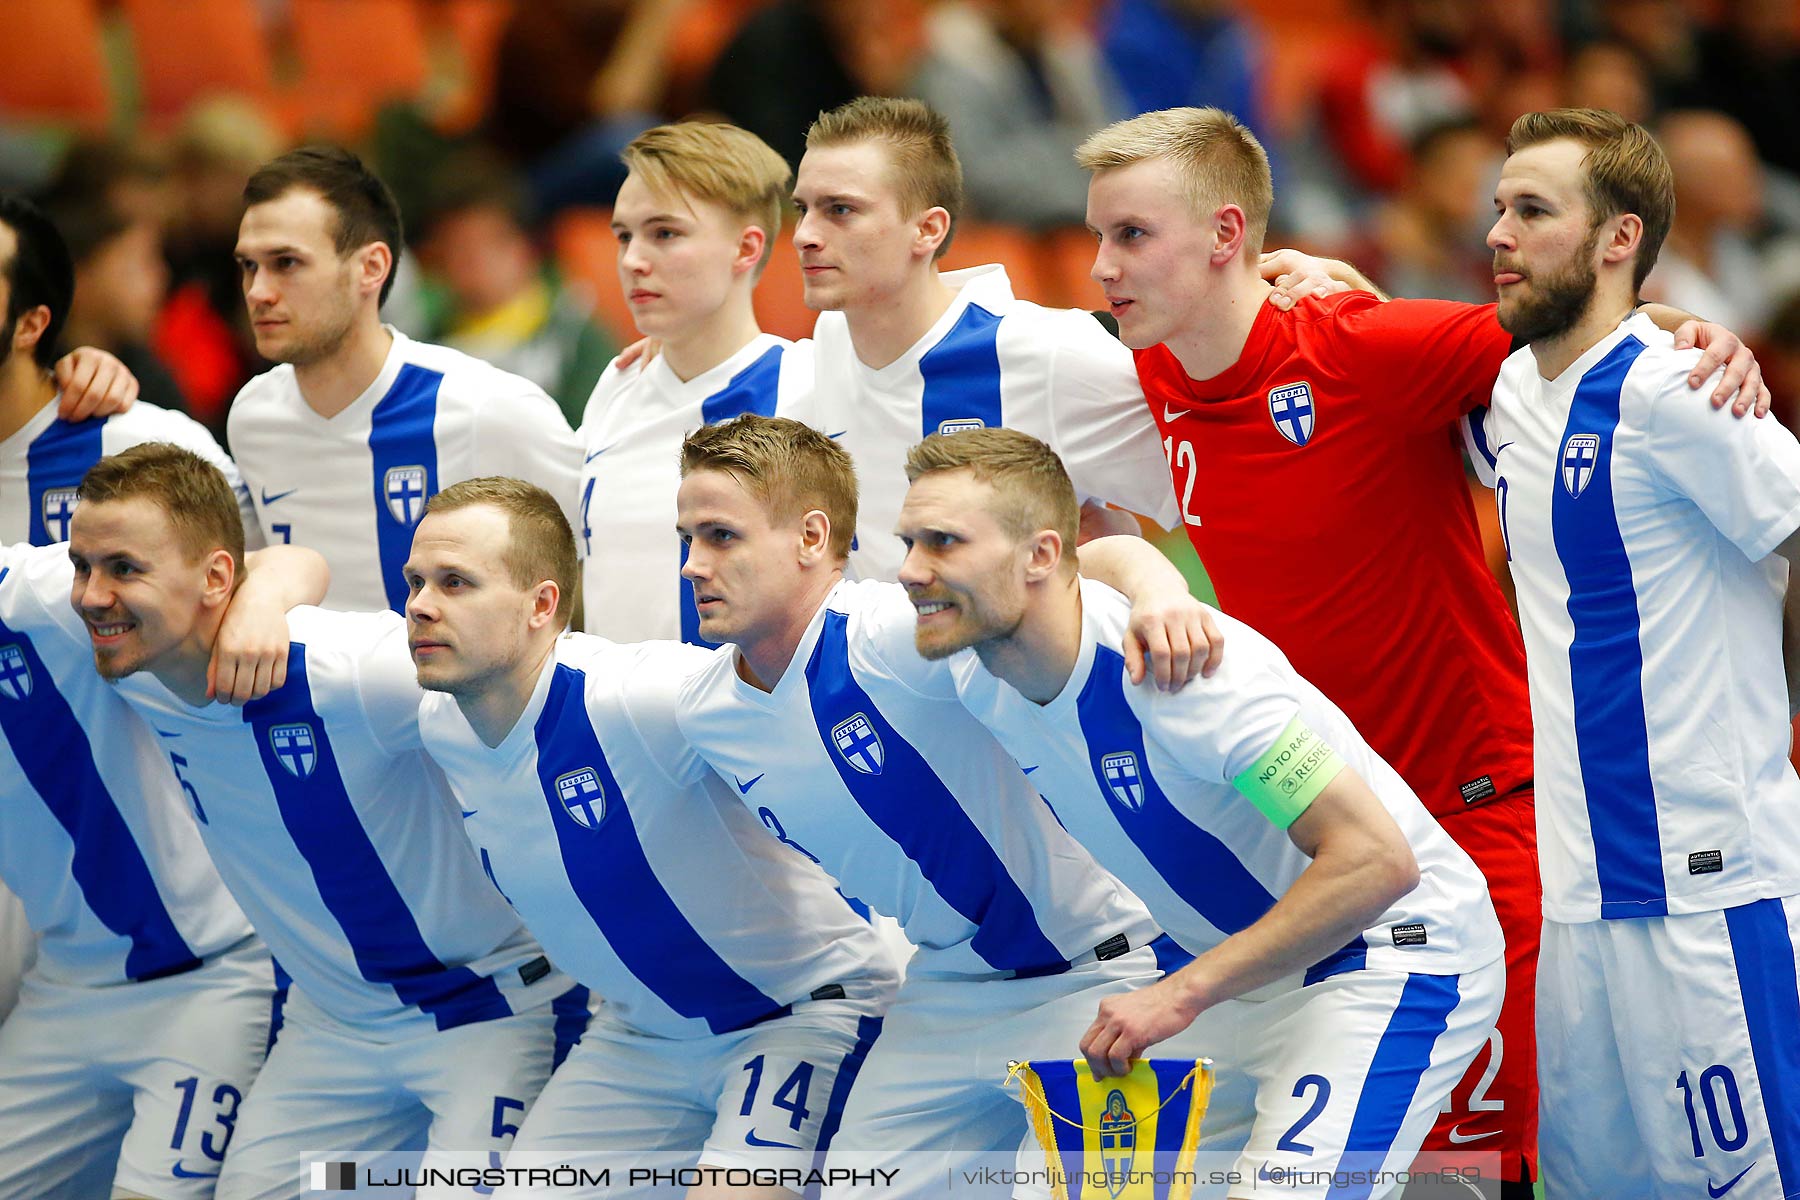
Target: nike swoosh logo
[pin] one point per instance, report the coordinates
(1716, 1192)
(1171, 414)
(1460, 1138)
(1028, 770)
(1502, 446)
(840, 433)
(166, 733)
(750, 1139)
(180, 1172)
(744, 788)
(468, 812)
(596, 454)
(268, 499)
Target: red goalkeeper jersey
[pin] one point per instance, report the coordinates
(1321, 482)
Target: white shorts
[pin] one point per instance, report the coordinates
(325, 1088)
(1669, 1055)
(1344, 1075)
(766, 1097)
(133, 1085)
(934, 1086)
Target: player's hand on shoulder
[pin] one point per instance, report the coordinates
(1172, 638)
(250, 654)
(93, 383)
(642, 350)
(1131, 1023)
(1742, 383)
(1295, 277)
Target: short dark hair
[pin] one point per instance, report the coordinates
(366, 209)
(39, 272)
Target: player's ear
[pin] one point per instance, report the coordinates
(373, 263)
(546, 598)
(751, 244)
(815, 538)
(933, 229)
(1044, 555)
(1627, 236)
(221, 578)
(1230, 228)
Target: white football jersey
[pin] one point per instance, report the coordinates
(341, 840)
(904, 798)
(95, 837)
(1143, 779)
(1639, 526)
(353, 486)
(636, 866)
(42, 464)
(631, 435)
(991, 360)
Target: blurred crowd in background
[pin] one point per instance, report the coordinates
(498, 124)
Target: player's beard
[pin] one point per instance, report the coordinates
(1558, 299)
(322, 340)
(978, 624)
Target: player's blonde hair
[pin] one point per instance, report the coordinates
(926, 171)
(716, 163)
(1031, 489)
(1624, 171)
(193, 492)
(1218, 160)
(540, 546)
(792, 468)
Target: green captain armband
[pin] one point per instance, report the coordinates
(1284, 782)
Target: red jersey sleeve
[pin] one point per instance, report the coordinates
(1425, 362)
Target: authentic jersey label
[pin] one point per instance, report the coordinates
(1706, 862)
(1286, 779)
(1291, 408)
(1409, 935)
(1478, 789)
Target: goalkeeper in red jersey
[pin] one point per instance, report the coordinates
(1315, 456)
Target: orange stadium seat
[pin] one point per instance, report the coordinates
(780, 299)
(1068, 259)
(475, 28)
(354, 55)
(978, 242)
(50, 62)
(581, 240)
(186, 49)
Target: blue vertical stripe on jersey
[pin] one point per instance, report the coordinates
(911, 805)
(401, 434)
(1401, 1058)
(572, 1017)
(867, 1030)
(58, 458)
(1196, 866)
(1606, 660)
(1478, 434)
(58, 761)
(353, 882)
(753, 389)
(615, 882)
(1770, 991)
(962, 374)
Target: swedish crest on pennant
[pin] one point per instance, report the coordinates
(15, 673)
(1580, 455)
(404, 489)
(856, 739)
(295, 748)
(1136, 1135)
(583, 796)
(1291, 408)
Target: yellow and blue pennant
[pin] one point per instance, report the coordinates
(1126, 1138)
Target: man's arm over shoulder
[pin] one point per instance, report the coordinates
(1425, 362)
(386, 682)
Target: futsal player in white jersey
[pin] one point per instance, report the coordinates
(1651, 540)
(812, 714)
(1349, 960)
(420, 1007)
(694, 219)
(741, 990)
(342, 444)
(147, 1012)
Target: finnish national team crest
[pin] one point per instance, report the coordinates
(15, 673)
(583, 796)
(295, 748)
(1291, 408)
(1123, 779)
(1118, 1141)
(404, 488)
(961, 425)
(1581, 453)
(856, 739)
(59, 506)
